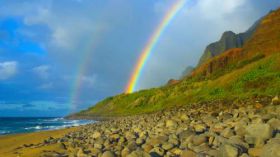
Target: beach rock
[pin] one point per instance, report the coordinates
(96, 135)
(95, 152)
(175, 151)
(226, 116)
(228, 151)
(125, 152)
(157, 151)
(258, 105)
(158, 140)
(115, 137)
(218, 127)
(198, 140)
(230, 132)
(132, 145)
(108, 154)
(173, 141)
(212, 152)
(275, 100)
(185, 134)
(271, 149)
(227, 133)
(184, 118)
(188, 153)
(139, 153)
(274, 123)
(201, 148)
(81, 153)
(171, 123)
(255, 152)
(167, 146)
(98, 146)
(240, 129)
(130, 136)
(53, 154)
(199, 128)
(147, 147)
(140, 141)
(258, 133)
(244, 155)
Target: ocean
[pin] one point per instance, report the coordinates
(12, 125)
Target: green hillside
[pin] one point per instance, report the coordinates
(244, 73)
(261, 78)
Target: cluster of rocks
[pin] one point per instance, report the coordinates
(250, 129)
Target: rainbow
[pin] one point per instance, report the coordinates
(84, 62)
(153, 40)
(87, 52)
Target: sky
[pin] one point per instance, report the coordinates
(59, 57)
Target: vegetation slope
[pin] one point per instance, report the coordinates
(236, 74)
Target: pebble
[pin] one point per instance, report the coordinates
(202, 130)
(108, 154)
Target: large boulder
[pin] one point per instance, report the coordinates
(271, 149)
(171, 123)
(188, 153)
(257, 134)
(228, 150)
(139, 153)
(276, 100)
(108, 154)
(96, 135)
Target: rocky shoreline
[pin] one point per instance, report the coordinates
(247, 129)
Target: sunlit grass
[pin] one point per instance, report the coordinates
(259, 78)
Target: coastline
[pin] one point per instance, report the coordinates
(18, 125)
(244, 128)
(9, 144)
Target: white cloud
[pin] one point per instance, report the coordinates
(42, 71)
(70, 27)
(8, 69)
(214, 9)
(67, 31)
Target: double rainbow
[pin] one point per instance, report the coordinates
(89, 51)
(153, 40)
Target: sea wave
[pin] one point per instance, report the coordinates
(38, 127)
(2, 132)
(54, 127)
(33, 125)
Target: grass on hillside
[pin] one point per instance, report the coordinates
(259, 78)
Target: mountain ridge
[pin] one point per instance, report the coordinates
(228, 40)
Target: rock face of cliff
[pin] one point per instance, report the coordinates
(228, 41)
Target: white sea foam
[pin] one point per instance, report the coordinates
(38, 127)
(4, 132)
(68, 123)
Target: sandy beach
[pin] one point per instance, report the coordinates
(10, 144)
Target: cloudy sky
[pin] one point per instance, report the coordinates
(61, 56)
